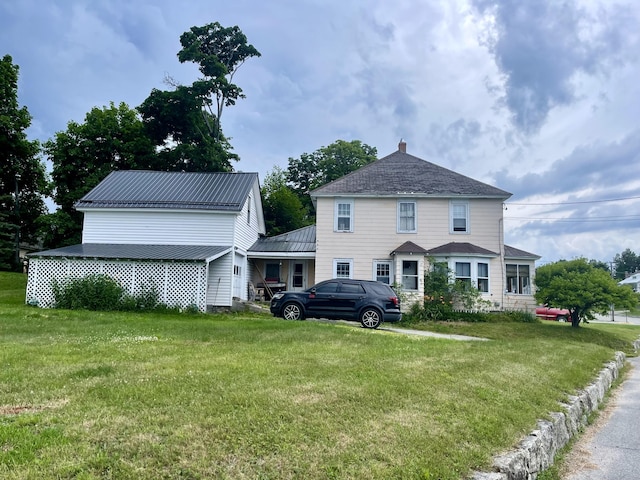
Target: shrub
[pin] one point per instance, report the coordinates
(101, 292)
(92, 292)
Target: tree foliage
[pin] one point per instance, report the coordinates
(186, 122)
(312, 170)
(111, 138)
(22, 174)
(283, 210)
(581, 288)
(625, 263)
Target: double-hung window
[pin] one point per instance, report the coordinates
(343, 216)
(342, 268)
(406, 217)
(382, 271)
(463, 273)
(518, 280)
(483, 277)
(459, 213)
(410, 274)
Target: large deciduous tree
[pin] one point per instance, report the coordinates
(626, 263)
(312, 170)
(22, 174)
(111, 138)
(581, 288)
(186, 122)
(283, 210)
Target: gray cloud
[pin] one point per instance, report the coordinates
(540, 47)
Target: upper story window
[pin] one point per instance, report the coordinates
(406, 217)
(343, 221)
(459, 214)
(249, 210)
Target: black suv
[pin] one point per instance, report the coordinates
(365, 300)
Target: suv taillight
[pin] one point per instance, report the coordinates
(394, 300)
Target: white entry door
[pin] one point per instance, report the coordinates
(238, 278)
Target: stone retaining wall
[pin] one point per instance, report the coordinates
(536, 452)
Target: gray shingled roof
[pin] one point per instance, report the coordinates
(300, 240)
(136, 252)
(512, 252)
(460, 248)
(182, 190)
(401, 173)
(409, 247)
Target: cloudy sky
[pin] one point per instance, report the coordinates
(541, 99)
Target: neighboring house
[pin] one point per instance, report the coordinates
(386, 220)
(186, 235)
(633, 281)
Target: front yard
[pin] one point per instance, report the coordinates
(144, 396)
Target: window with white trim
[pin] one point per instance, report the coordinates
(410, 274)
(483, 277)
(407, 217)
(343, 221)
(382, 271)
(463, 272)
(518, 279)
(249, 210)
(342, 268)
(459, 213)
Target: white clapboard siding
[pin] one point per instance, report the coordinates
(219, 282)
(158, 227)
(246, 225)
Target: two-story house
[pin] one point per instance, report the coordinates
(185, 235)
(389, 219)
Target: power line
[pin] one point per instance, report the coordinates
(615, 218)
(575, 203)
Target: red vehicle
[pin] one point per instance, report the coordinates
(549, 313)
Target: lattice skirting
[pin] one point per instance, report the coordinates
(180, 284)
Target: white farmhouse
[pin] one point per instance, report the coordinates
(184, 234)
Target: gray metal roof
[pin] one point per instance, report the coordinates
(460, 248)
(300, 240)
(136, 252)
(182, 190)
(401, 173)
(512, 252)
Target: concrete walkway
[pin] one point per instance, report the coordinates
(612, 451)
(423, 333)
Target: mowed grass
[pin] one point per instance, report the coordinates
(89, 395)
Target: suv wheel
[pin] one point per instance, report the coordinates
(370, 318)
(562, 318)
(292, 311)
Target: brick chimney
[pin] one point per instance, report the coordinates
(402, 146)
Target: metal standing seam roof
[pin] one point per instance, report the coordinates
(401, 173)
(296, 241)
(176, 190)
(136, 252)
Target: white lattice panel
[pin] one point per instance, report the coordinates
(181, 284)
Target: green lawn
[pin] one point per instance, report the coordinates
(89, 395)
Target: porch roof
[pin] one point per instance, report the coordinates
(512, 252)
(302, 240)
(409, 247)
(136, 252)
(460, 248)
